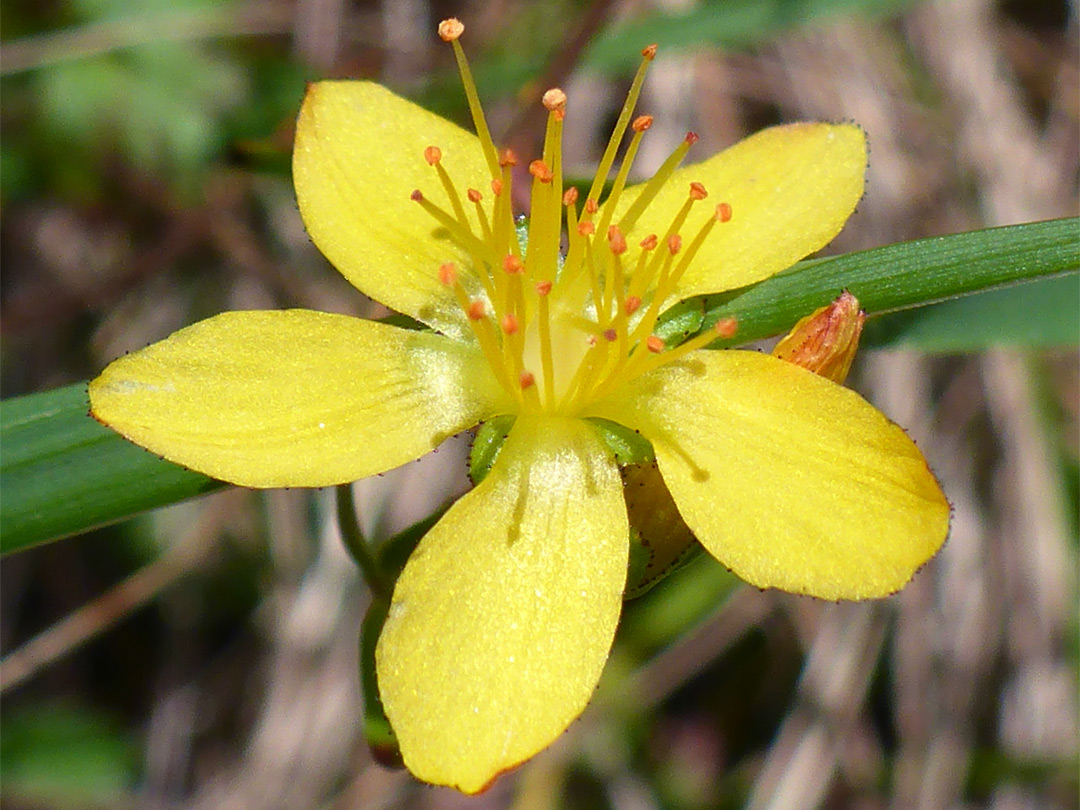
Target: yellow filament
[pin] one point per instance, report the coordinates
(546, 366)
(620, 127)
(656, 182)
(620, 182)
(671, 282)
(476, 110)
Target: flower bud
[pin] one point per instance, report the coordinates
(826, 340)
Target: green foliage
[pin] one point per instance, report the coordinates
(61, 472)
(732, 24)
(63, 755)
(1043, 314)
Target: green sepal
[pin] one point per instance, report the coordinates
(680, 321)
(628, 446)
(489, 440)
(660, 541)
(394, 553)
(377, 731)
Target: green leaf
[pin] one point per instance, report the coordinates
(62, 473)
(1040, 315)
(901, 276)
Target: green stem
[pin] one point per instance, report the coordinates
(356, 544)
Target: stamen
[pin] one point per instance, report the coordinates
(648, 54)
(547, 366)
(432, 155)
(450, 30)
(723, 212)
(509, 323)
(727, 328)
(640, 125)
(477, 248)
(632, 305)
(496, 187)
(540, 171)
(616, 240)
(654, 344)
(656, 182)
(448, 274)
(512, 264)
(554, 101)
(570, 196)
(477, 310)
(674, 244)
(475, 197)
(697, 191)
(526, 379)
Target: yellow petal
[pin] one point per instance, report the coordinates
(791, 189)
(792, 481)
(359, 154)
(294, 397)
(504, 616)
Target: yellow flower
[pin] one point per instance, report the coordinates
(503, 617)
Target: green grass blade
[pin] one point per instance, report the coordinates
(62, 473)
(904, 275)
(1043, 314)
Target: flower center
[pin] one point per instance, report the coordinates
(563, 327)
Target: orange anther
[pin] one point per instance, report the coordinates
(591, 206)
(416, 196)
(649, 52)
(527, 380)
(570, 196)
(586, 229)
(496, 187)
(554, 99)
(641, 123)
(474, 195)
(509, 323)
(654, 344)
(616, 240)
(674, 243)
(512, 264)
(632, 304)
(726, 328)
(649, 242)
(451, 29)
(697, 191)
(610, 335)
(508, 158)
(432, 155)
(723, 212)
(691, 138)
(477, 310)
(448, 274)
(543, 287)
(540, 171)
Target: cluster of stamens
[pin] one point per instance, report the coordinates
(561, 328)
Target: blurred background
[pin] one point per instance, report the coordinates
(205, 655)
